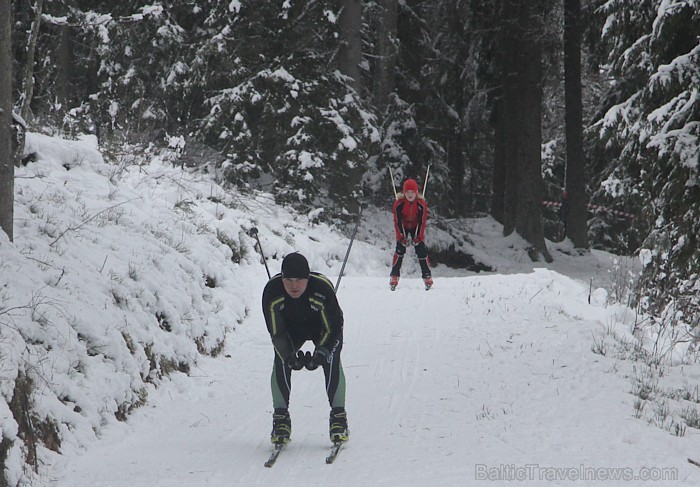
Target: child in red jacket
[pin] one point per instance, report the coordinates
(410, 216)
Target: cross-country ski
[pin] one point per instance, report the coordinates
(277, 449)
(335, 449)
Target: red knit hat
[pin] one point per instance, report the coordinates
(410, 185)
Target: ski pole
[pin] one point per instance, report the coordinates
(253, 232)
(391, 174)
(352, 239)
(425, 183)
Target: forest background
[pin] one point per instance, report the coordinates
(515, 106)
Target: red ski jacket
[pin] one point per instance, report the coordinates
(410, 216)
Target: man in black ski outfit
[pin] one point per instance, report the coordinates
(299, 306)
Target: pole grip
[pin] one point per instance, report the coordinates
(253, 232)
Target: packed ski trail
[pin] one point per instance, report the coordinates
(478, 373)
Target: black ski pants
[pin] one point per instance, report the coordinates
(332, 370)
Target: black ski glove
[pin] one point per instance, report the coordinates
(294, 362)
(309, 362)
(319, 357)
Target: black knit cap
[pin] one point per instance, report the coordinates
(295, 266)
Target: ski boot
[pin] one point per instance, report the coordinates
(281, 426)
(339, 425)
(393, 282)
(428, 281)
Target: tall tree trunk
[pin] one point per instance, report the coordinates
(499, 162)
(386, 53)
(345, 182)
(28, 92)
(456, 164)
(524, 101)
(457, 96)
(7, 167)
(351, 50)
(498, 119)
(577, 217)
(64, 66)
(508, 113)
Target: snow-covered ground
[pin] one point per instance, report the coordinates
(490, 376)
(523, 376)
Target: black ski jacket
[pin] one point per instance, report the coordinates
(315, 315)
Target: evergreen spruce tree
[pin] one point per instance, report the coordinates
(652, 139)
(615, 185)
(285, 110)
